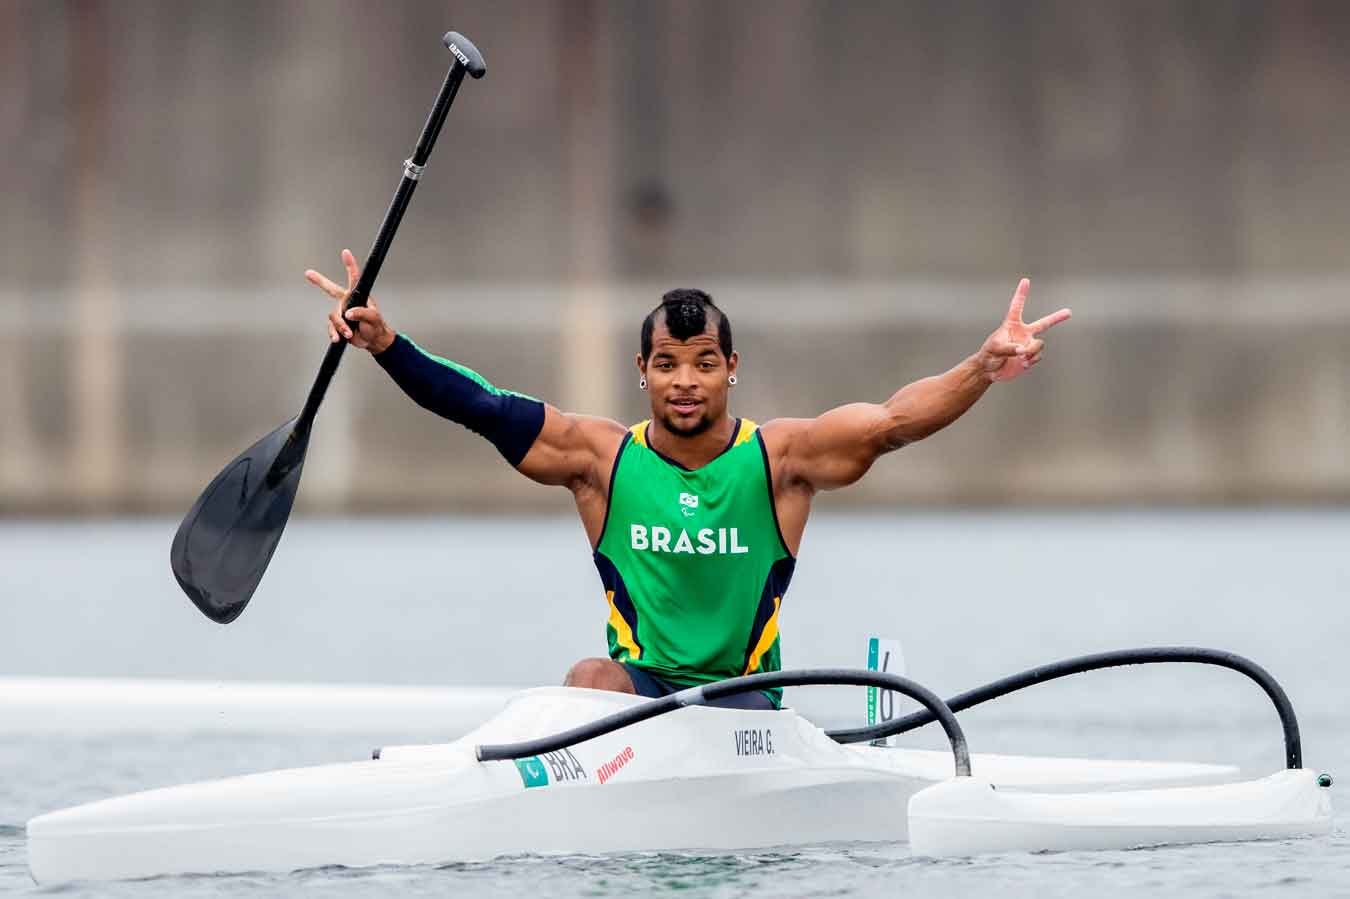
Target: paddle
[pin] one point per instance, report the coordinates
(223, 546)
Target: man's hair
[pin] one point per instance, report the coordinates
(686, 315)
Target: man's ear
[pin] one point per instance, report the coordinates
(733, 362)
(641, 364)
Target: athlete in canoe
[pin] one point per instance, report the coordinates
(694, 516)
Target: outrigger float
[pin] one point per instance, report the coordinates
(559, 769)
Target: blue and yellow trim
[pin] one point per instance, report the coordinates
(622, 626)
(745, 430)
(623, 633)
(767, 637)
(761, 650)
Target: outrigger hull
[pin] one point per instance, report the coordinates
(966, 816)
(700, 778)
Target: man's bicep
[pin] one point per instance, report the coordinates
(569, 448)
(836, 448)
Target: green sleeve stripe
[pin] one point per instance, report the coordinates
(469, 373)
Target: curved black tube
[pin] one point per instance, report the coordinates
(1293, 742)
(933, 705)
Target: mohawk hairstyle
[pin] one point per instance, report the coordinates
(686, 315)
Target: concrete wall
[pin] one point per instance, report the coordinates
(1141, 398)
(860, 184)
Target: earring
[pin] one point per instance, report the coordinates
(731, 380)
(642, 384)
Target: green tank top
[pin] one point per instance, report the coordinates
(693, 563)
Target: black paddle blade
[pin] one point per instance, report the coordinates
(223, 546)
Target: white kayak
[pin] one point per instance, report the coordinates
(696, 778)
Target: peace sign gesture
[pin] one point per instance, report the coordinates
(1016, 345)
(364, 326)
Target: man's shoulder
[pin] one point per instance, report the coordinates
(783, 443)
(593, 435)
(778, 433)
(594, 427)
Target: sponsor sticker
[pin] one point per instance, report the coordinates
(614, 765)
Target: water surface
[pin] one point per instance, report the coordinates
(972, 596)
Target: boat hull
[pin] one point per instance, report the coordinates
(698, 778)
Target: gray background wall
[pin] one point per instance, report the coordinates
(859, 184)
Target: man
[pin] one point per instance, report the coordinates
(694, 516)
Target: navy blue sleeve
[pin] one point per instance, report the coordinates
(510, 421)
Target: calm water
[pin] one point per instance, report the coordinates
(971, 595)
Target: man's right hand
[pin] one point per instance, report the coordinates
(363, 326)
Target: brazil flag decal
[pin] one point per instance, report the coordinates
(532, 772)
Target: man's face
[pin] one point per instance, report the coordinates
(687, 379)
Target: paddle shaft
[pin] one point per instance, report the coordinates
(412, 173)
(221, 550)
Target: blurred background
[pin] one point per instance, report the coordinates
(859, 185)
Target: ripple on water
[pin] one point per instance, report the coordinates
(830, 870)
(1186, 589)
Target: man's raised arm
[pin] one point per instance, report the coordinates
(538, 440)
(839, 447)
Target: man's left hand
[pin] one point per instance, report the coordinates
(1016, 345)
